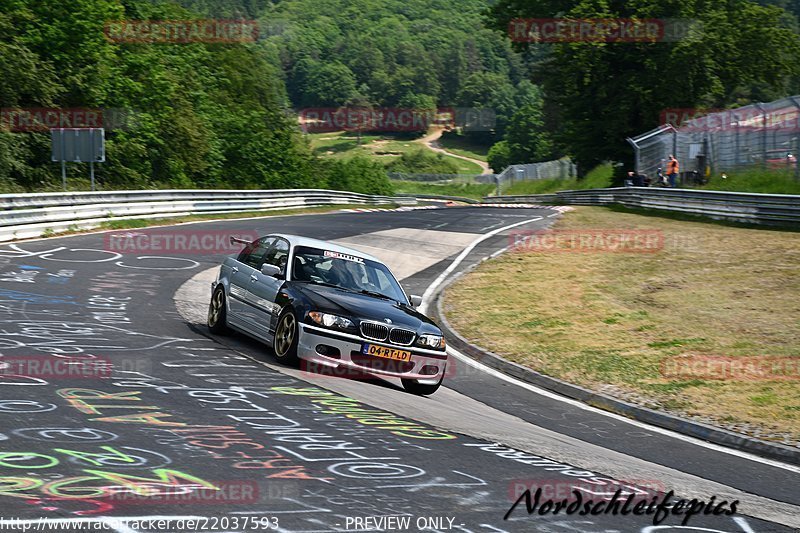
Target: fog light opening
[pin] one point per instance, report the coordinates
(328, 351)
(429, 370)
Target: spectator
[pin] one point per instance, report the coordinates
(631, 179)
(635, 179)
(672, 171)
(662, 179)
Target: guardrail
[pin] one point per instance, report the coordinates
(31, 215)
(439, 198)
(752, 208)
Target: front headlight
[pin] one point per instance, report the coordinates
(432, 341)
(330, 321)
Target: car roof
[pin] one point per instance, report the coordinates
(297, 240)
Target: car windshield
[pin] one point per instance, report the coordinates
(349, 272)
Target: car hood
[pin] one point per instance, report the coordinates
(365, 307)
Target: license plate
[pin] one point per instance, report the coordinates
(386, 353)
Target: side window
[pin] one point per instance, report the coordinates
(253, 254)
(278, 254)
(383, 281)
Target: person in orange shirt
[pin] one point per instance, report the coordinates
(672, 170)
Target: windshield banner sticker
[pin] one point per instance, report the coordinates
(337, 255)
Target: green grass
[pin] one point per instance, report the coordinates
(465, 167)
(597, 178)
(458, 144)
(468, 190)
(757, 180)
(600, 319)
(674, 343)
(382, 148)
(339, 144)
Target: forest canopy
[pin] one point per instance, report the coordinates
(224, 113)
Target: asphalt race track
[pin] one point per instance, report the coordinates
(163, 421)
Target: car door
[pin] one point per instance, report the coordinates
(242, 274)
(264, 289)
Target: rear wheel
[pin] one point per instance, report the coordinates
(286, 338)
(421, 389)
(217, 313)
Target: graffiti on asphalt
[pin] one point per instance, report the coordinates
(65, 434)
(330, 403)
(118, 283)
(32, 274)
(68, 337)
(181, 417)
(91, 255)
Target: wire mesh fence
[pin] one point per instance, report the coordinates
(559, 169)
(765, 135)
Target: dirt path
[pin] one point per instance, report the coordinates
(431, 140)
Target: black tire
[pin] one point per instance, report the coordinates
(287, 335)
(421, 389)
(218, 313)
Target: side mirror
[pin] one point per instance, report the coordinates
(416, 301)
(270, 270)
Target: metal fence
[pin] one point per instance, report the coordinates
(765, 135)
(558, 169)
(751, 208)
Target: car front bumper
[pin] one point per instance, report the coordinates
(350, 357)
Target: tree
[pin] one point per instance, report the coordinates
(395, 47)
(605, 92)
(528, 142)
(358, 174)
(424, 162)
(327, 85)
(206, 115)
(499, 156)
(360, 105)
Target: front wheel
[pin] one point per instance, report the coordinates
(286, 338)
(421, 389)
(217, 313)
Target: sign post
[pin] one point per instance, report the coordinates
(78, 145)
